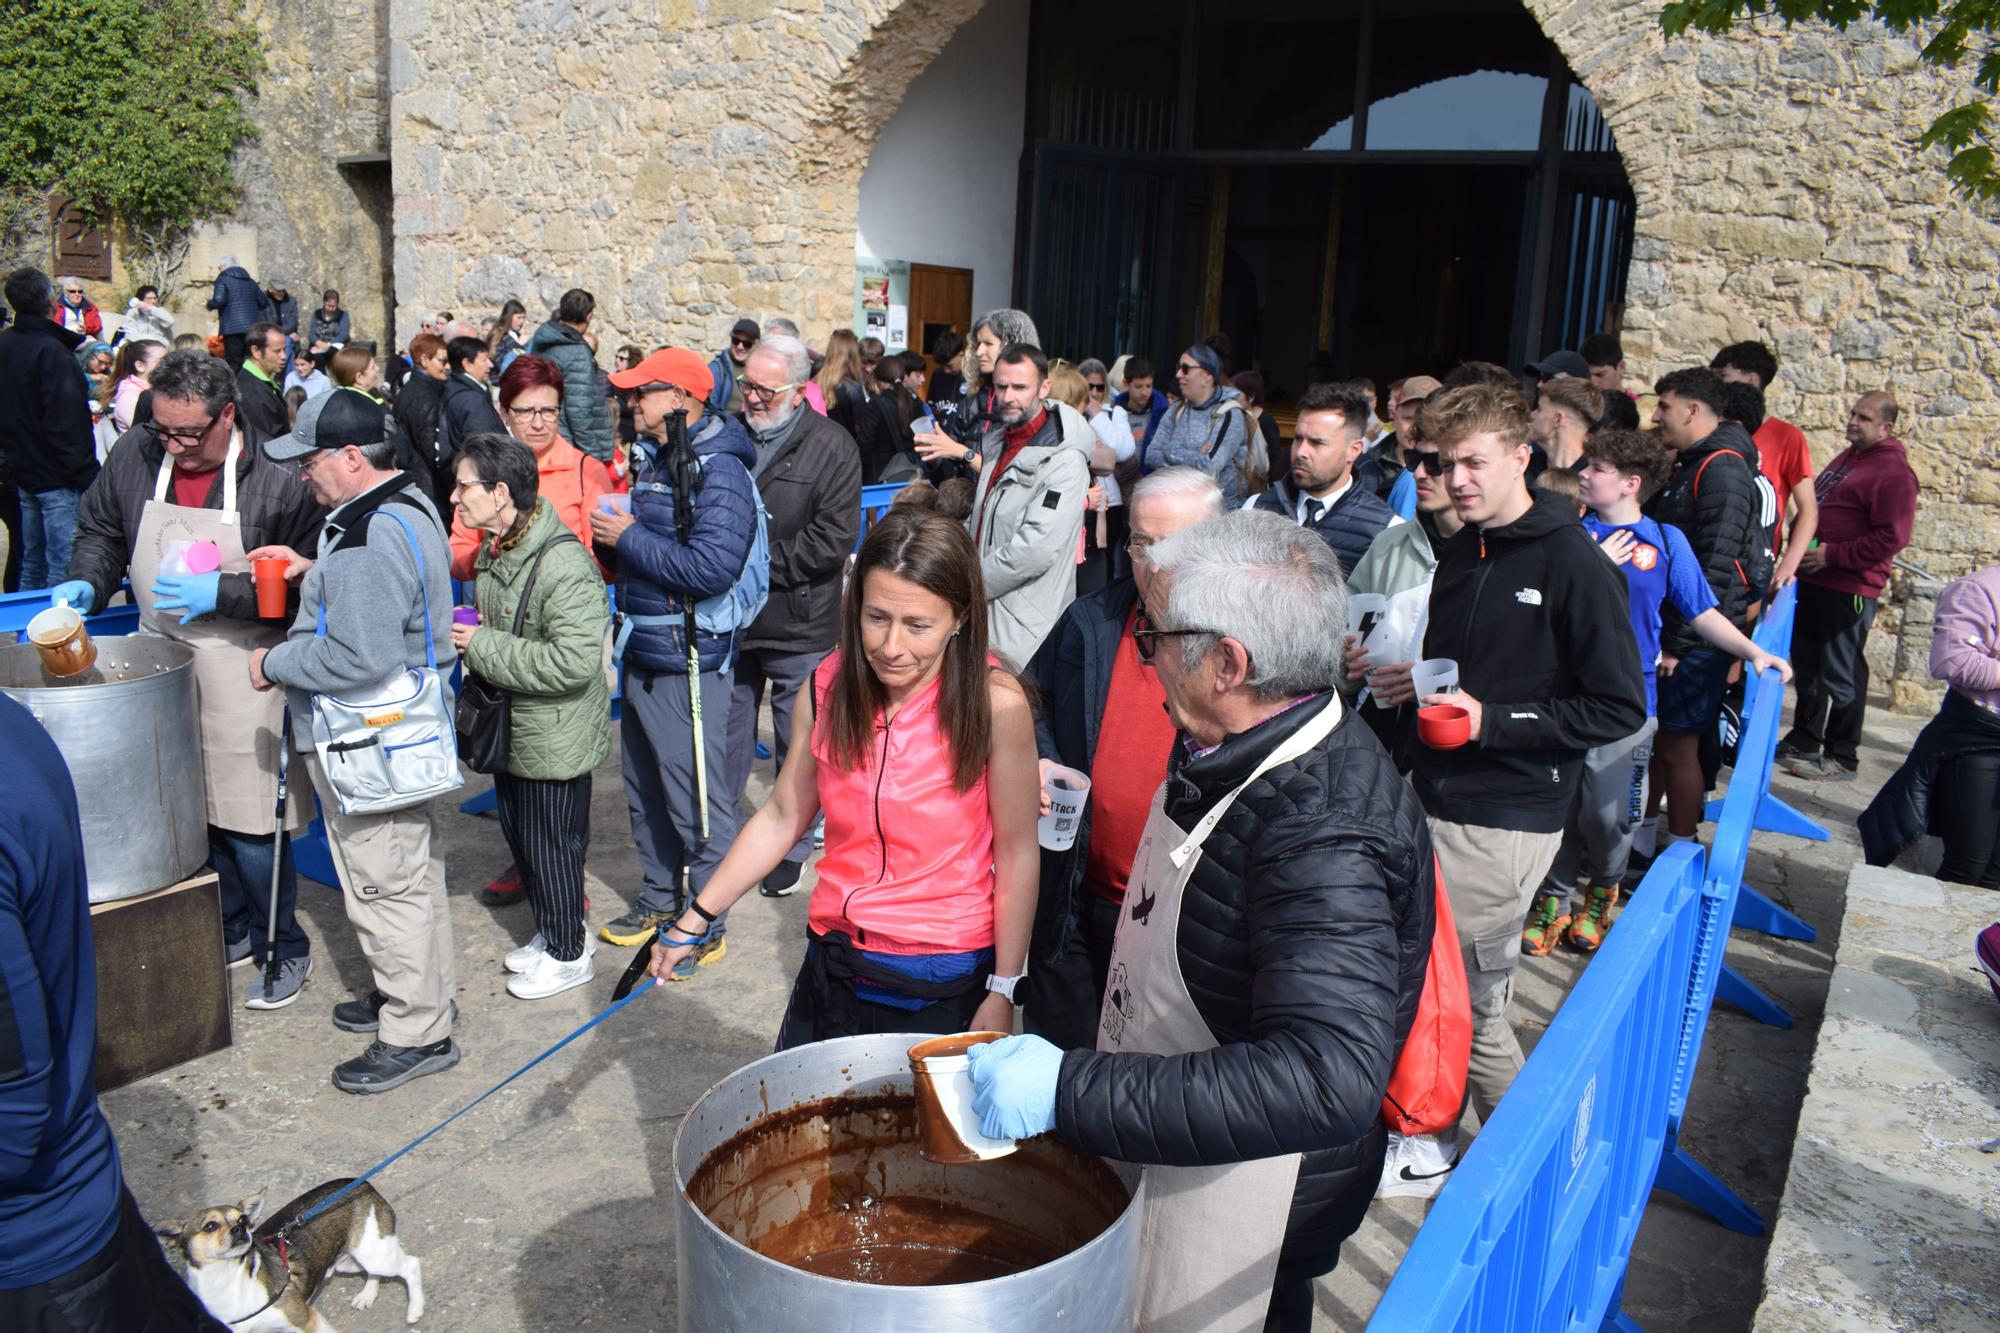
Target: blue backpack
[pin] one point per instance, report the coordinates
(727, 612)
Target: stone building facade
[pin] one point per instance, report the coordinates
(688, 160)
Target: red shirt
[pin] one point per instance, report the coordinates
(191, 488)
(1133, 742)
(1785, 459)
(1012, 441)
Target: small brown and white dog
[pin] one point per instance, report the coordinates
(256, 1285)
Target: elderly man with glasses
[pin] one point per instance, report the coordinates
(1269, 952)
(190, 479)
(675, 726)
(808, 472)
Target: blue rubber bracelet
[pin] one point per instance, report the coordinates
(673, 943)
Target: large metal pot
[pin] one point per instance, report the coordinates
(728, 1287)
(131, 735)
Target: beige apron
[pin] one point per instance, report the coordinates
(239, 725)
(1211, 1234)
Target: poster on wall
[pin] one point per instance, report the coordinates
(882, 300)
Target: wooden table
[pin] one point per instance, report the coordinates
(162, 980)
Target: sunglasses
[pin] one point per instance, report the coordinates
(1431, 463)
(1187, 368)
(742, 342)
(1096, 386)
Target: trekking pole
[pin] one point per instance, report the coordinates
(277, 853)
(680, 458)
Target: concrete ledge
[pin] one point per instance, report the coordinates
(1891, 1214)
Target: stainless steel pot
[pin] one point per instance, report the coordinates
(131, 735)
(726, 1286)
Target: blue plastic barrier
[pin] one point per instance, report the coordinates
(1535, 1228)
(875, 501)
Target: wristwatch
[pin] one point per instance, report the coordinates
(969, 456)
(1014, 988)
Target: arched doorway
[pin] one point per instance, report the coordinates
(1361, 187)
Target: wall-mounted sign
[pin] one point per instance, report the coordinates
(882, 301)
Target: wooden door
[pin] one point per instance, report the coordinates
(940, 300)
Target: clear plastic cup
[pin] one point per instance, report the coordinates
(1436, 675)
(1068, 791)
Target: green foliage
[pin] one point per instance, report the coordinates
(133, 108)
(1968, 131)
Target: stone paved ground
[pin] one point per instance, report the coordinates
(1891, 1216)
(542, 1209)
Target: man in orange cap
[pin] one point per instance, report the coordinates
(676, 716)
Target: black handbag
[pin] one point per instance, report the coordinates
(485, 732)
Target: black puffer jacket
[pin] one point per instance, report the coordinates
(276, 511)
(1713, 499)
(1355, 519)
(1303, 938)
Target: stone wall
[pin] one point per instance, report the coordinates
(317, 223)
(692, 160)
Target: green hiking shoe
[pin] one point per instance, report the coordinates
(1591, 925)
(1547, 920)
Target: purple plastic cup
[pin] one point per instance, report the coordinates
(465, 615)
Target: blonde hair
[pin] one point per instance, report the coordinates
(1561, 481)
(1067, 385)
(347, 365)
(1475, 409)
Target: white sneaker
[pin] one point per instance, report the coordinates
(523, 958)
(546, 976)
(1416, 1166)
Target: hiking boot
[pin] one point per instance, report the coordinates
(704, 955)
(1591, 925)
(266, 993)
(365, 1015)
(784, 881)
(1416, 1166)
(383, 1068)
(1546, 923)
(1820, 768)
(635, 927)
(506, 890)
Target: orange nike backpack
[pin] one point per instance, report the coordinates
(1427, 1089)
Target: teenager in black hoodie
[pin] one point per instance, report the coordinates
(1535, 617)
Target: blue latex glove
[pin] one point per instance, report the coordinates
(193, 593)
(77, 592)
(1014, 1086)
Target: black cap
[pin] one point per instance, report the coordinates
(331, 421)
(746, 328)
(1560, 363)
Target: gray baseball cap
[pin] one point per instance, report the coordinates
(331, 421)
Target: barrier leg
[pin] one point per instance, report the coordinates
(1756, 912)
(1690, 1181)
(480, 804)
(1774, 816)
(1730, 986)
(311, 857)
(1615, 1318)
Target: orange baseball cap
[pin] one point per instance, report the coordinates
(676, 366)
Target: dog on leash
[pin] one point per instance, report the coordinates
(265, 1281)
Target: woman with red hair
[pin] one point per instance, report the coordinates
(571, 480)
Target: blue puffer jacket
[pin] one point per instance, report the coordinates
(656, 569)
(238, 301)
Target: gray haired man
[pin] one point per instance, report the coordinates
(1270, 949)
(379, 598)
(808, 474)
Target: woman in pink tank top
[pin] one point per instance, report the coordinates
(920, 750)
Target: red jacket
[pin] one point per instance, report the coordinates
(1867, 504)
(88, 321)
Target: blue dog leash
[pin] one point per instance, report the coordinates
(417, 1142)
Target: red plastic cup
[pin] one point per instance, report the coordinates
(268, 573)
(1444, 726)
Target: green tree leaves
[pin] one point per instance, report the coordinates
(1966, 131)
(133, 108)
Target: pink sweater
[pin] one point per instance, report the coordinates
(1965, 642)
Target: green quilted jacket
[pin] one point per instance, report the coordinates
(561, 710)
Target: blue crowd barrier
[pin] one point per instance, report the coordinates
(1535, 1229)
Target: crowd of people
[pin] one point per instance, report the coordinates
(1229, 632)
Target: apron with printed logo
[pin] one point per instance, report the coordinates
(239, 725)
(1211, 1234)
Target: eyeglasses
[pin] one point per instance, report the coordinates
(305, 466)
(534, 413)
(185, 438)
(764, 393)
(1138, 547)
(1144, 640)
(458, 486)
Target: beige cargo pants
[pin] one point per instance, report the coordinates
(1490, 875)
(392, 875)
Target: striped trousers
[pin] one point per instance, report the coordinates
(547, 827)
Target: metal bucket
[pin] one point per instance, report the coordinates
(728, 1287)
(131, 735)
